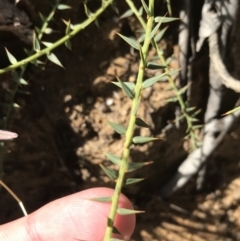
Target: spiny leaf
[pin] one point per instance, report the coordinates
(18, 79)
(48, 31)
(125, 211)
(151, 65)
(141, 38)
(130, 41)
(7, 135)
(63, 7)
(183, 89)
(141, 123)
(149, 82)
(112, 174)
(197, 127)
(43, 18)
(130, 181)
(130, 85)
(191, 108)
(15, 105)
(159, 36)
(141, 55)
(68, 28)
(128, 92)
(137, 105)
(232, 111)
(140, 11)
(118, 128)
(47, 44)
(154, 30)
(128, 13)
(132, 166)
(145, 7)
(96, 22)
(68, 44)
(171, 99)
(36, 44)
(143, 139)
(11, 58)
(116, 160)
(53, 58)
(101, 199)
(165, 19)
(87, 11)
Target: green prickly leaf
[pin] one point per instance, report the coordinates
(140, 11)
(149, 82)
(159, 36)
(141, 55)
(128, 13)
(143, 139)
(87, 11)
(183, 89)
(125, 211)
(53, 58)
(112, 174)
(36, 44)
(114, 7)
(128, 92)
(130, 41)
(96, 22)
(197, 127)
(43, 18)
(114, 159)
(141, 123)
(130, 181)
(115, 231)
(11, 58)
(136, 106)
(63, 7)
(15, 105)
(130, 85)
(48, 30)
(101, 199)
(152, 65)
(191, 108)
(154, 30)
(141, 38)
(172, 99)
(47, 44)
(68, 28)
(117, 127)
(196, 112)
(68, 44)
(145, 7)
(165, 19)
(192, 119)
(132, 166)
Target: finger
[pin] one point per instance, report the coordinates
(74, 217)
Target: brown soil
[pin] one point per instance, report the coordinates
(63, 134)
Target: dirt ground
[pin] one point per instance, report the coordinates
(63, 134)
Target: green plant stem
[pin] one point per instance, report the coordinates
(48, 19)
(181, 102)
(131, 125)
(47, 50)
(136, 12)
(23, 67)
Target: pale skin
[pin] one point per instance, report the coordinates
(70, 218)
